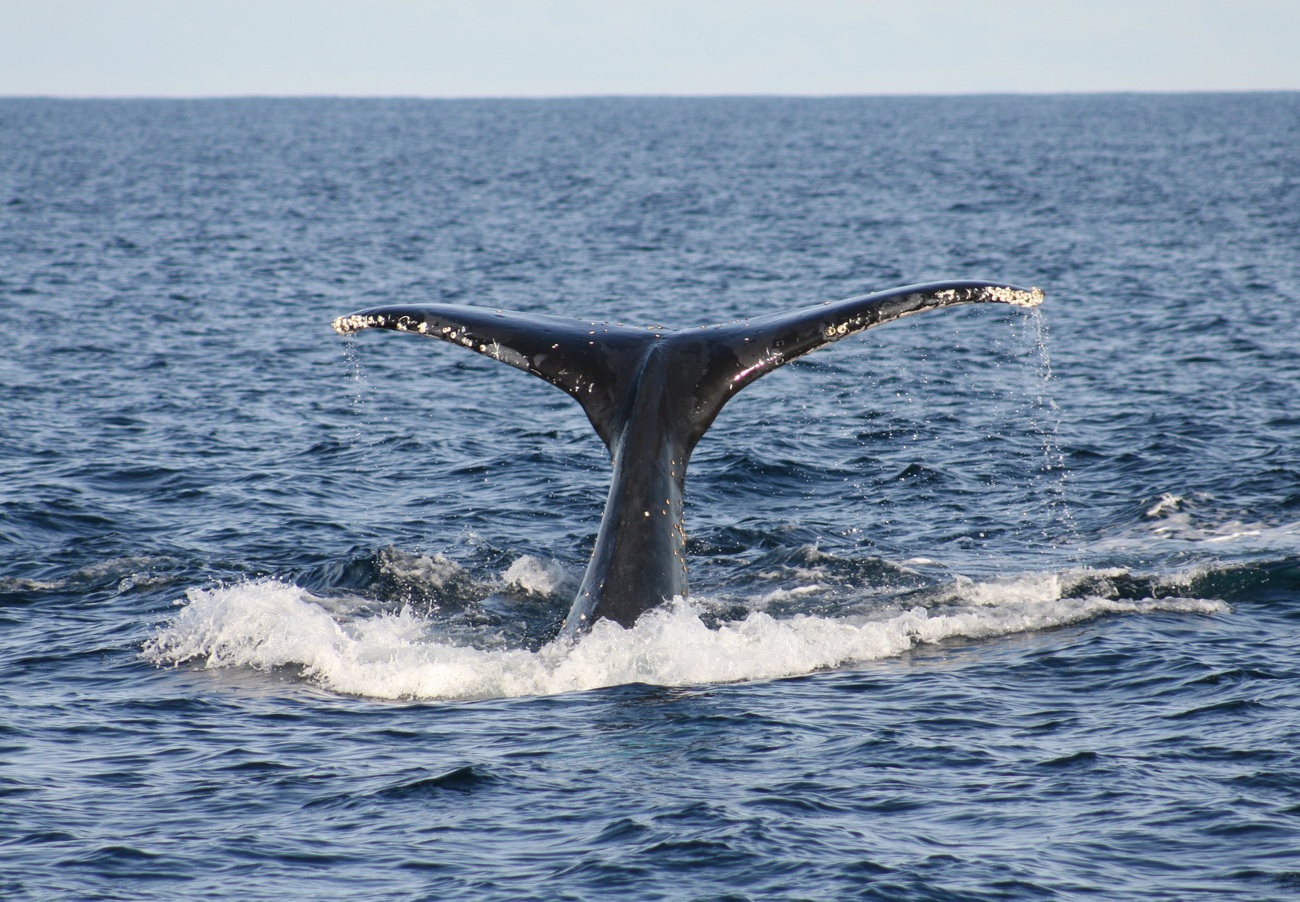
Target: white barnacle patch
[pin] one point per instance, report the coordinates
(842, 329)
(346, 325)
(423, 328)
(1031, 298)
(948, 295)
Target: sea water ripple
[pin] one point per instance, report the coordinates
(985, 605)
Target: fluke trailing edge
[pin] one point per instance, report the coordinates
(651, 394)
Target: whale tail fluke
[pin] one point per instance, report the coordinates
(597, 363)
(651, 394)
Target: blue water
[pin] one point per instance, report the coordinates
(987, 603)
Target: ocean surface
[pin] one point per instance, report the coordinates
(986, 604)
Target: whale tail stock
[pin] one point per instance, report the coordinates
(651, 394)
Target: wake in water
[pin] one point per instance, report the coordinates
(268, 623)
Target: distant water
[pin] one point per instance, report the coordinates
(988, 604)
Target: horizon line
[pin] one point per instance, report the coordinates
(722, 95)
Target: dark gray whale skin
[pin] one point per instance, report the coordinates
(651, 394)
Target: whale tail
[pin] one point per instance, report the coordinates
(651, 394)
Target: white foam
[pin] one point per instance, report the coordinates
(268, 623)
(434, 571)
(1179, 522)
(535, 576)
(1167, 505)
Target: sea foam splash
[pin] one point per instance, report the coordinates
(268, 623)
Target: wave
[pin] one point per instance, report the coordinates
(268, 623)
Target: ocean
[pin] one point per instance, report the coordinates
(987, 603)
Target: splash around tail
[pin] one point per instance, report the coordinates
(268, 624)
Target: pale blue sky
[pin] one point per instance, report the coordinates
(191, 48)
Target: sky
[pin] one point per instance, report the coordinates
(537, 48)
